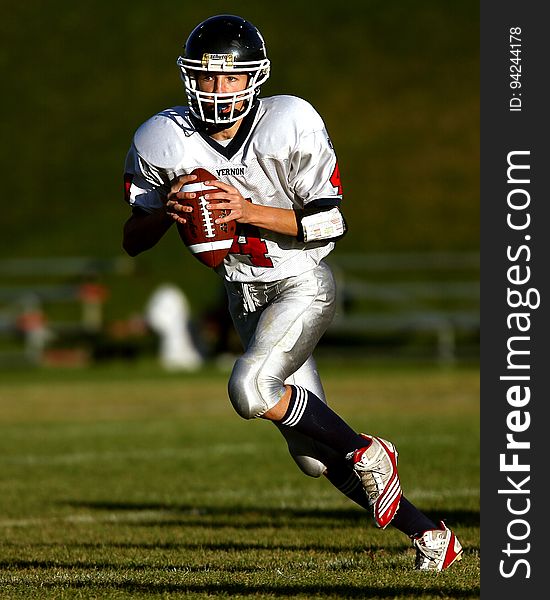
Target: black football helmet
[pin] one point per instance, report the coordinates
(223, 43)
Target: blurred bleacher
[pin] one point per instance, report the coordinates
(408, 304)
(47, 299)
(390, 305)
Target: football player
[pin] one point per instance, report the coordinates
(278, 178)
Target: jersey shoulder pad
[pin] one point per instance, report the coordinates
(161, 139)
(296, 110)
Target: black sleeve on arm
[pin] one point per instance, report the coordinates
(139, 212)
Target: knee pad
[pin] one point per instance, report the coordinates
(251, 391)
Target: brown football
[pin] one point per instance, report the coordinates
(207, 241)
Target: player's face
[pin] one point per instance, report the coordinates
(223, 83)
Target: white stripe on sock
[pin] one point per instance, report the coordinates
(298, 409)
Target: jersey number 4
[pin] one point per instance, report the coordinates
(335, 178)
(247, 241)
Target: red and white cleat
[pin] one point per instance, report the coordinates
(437, 549)
(376, 467)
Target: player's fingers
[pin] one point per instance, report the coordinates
(173, 206)
(184, 195)
(233, 215)
(222, 186)
(227, 219)
(178, 182)
(177, 215)
(179, 219)
(218, 196)
(220, 205)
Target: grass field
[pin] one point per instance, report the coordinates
(122, 482)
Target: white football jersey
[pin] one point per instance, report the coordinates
(281, 156)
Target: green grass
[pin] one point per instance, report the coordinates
(131, 483)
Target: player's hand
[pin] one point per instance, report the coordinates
(173, 205)
(240, 209)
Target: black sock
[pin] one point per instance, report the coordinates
(310, 415)
(410, 520)
(343, 477)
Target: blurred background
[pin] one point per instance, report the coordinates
(398, 86)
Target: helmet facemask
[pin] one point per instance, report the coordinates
(221, 108)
